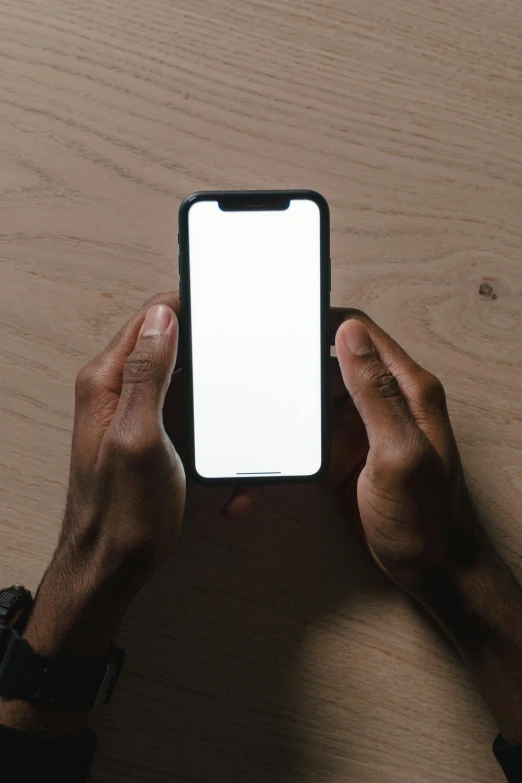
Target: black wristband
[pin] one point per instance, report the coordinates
(26, 674)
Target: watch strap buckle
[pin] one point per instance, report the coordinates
(111, 676)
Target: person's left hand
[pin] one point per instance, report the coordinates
(126, 492)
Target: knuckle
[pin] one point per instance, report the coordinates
(419, 459)
(87, 384)
(141, 368)
(407, 459)
(430, 391)
(382, 381)
(134, 448)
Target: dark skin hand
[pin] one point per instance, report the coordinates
(416, 512)
(418, 519)
(394, 462)
(125, 502)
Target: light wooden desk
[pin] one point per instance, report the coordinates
(269, 650)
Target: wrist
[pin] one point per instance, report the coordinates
(480, 612)
(70, 627)
(74, 617)
(66, 622)
(477, 605)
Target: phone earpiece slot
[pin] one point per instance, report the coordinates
(243, 202)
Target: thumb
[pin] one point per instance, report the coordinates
(148, 369)
(373, 388)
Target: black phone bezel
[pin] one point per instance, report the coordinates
(241, 200)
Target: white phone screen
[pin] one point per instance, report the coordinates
(255, 296)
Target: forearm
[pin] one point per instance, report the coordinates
(482, 613)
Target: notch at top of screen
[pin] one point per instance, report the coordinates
(254, 202)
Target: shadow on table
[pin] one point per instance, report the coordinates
(213, 644)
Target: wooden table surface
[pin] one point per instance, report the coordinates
(270, 650)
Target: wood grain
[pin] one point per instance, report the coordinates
(269, 650)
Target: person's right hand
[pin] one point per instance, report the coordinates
(415, 509)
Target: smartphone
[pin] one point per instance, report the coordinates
(255, 299)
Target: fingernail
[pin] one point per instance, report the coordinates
(356, 338)
(157, 321)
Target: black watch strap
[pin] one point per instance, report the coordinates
(26, 674)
